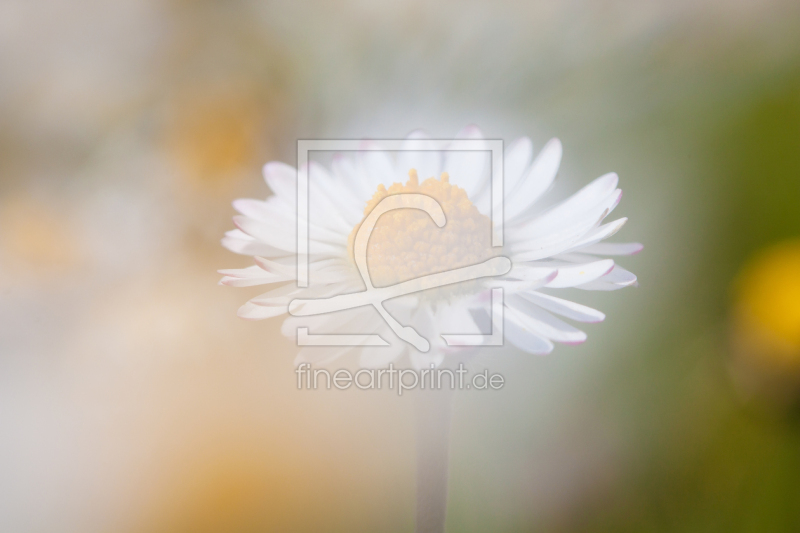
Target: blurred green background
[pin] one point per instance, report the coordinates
(133, 399)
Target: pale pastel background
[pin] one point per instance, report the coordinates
(131, 397)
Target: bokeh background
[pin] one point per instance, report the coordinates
(132, 399)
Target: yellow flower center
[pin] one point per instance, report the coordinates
(406, 243)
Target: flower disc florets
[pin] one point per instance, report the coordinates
(406, 243)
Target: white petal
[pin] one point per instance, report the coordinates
(325, 211)
(520, 334)
(347, 175)
(599, 192)
(565, 308)
(427, 163)
(285, 271)
(603, 232)
(285, 223)
(282, 179)
(349, 205)
(468, 169)
(251, 311)
(568, 214)
(613, 248)
(276, 301)
(239, 242)
(543, 323)
(618, 278)
(282, 206)
(535, 183)
(455, 319)
(263, 233)
(516, 161)
(248, 277)
(252, 208)
(558, 229)
(563, 259)
(547, 244)
(599, 285)
(282, 296)
(578, 274)
(360, 320)
(323, 272)
(527, 272)
(233, 281)
(375, 166)
(620, 275)
(282, 240)
(511, 286)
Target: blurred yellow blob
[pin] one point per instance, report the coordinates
(216, 134)
(34, 239)
(768, 305)
(237, 491)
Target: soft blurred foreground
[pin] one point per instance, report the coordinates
(133, 399)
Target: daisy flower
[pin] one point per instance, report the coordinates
(549, 249)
